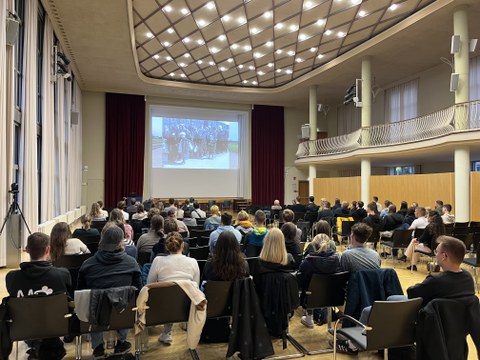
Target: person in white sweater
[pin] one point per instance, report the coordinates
(173, 267)
(62, 243)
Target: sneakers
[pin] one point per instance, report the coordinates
(412, 267)
(121, 347)
(99, 352)
(345, 347)
(307, 321)
(165, 338)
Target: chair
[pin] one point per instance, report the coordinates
(200, 253)
(252, 251)
(72, 263)
(461, 225)
(227, 204)
(194, 227)
(346, 231)
(418, 232)
(200, 233)
(143, 257)
(184, 234)
(219, 297)
(474, 263)
(298, 216)
(167, 303)
(201, 265)
(99, 225)
(400, 240)
(449, 229)
(378, 334)
(203, 240)
(326, 290)
(192, 241)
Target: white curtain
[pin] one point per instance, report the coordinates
(61, 173)
(76, 181)
(48, 130)
(401, 102)
(349, 119)
(28, 159)
(475, 78)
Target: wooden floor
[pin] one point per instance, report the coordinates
(316, 338)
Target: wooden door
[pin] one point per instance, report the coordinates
(303, 191)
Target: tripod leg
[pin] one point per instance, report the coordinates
(23, 217)
(10, 212)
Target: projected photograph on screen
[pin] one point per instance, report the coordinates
(194, 144)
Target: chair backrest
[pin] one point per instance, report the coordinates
(401, 238)
(252, 251)
(201, 265)
(71, 261)
(192, 241)
(203, 240)
(38, 317)
(298, 216)
(194, 227)
(98, 225)
(327, 290)
(184, 234)
(399, 330)
(200, 233)
(167, 304)
(143, 257)
(475, 225)
(200, 253)
(347, 227)
(461, 224)
(219, 297)
(89, 239)
(449, 229)
(252, 263)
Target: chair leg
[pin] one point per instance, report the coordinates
(194, 354)
(137, 347)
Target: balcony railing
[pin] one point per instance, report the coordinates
(460, 117)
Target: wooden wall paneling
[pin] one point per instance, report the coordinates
(474, 196)
(345, 188)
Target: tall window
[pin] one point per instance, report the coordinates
(40, 79)
(401, 102)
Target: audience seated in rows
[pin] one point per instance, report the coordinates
(297, 207)
(132, 207)
(85, 231)
(188, 219)
(243, 223)
(359, 257)
(447, 216)
(140, 214)
(373, 219)
(420, 221)
(116, 215)
(96, 214)
(225, 225)
(171, 206)
(321, 227)
(128, 244)
(102, 210)
(311, 207)
(342, 211)
(289, 231)
(198, 213)
(254, 239)
(276, 205)
(147, 241)
(122, 206)
(214, 220)
(325, 212)
(288, 216)
(182, 227)
(358, 213)
(62, 242)
(169, 226)
(379, 206)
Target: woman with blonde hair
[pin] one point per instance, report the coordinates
(243, 223)
(62, 243)
(322, 227)
(96, 213)
(214, 220)
(274, 253)
(323, 260)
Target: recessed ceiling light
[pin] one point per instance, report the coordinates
(293, 27)
(308, 5)
(313, 49)
(254, 82)
(234, 46)
(156, 56)
(222, 68)
(254, 30)
(166, 44)
(279, 70)
(270, 65)
(269, 43)
(169, 58)
(213, 50)
(279, 51)
(288, 71)
(199, 62)
(184, 11)
(172, 74)
(230, 60)
(167, 8)
(393, 7)
(267, 14)
(222, 37)
(341, 34)
(260, 73)
(210, 5)
(251, 67)
(328, 32)
(247, 47)
(299, 60)
(257, 55)
(186, 40)
(183, 75)
(320, 22)
(170, 30)
(279, 26)
(245, 81)
(320, 56)
(182, 65)
(362, 13)
(241, 20)
(226, 18)
(356, 2)
(149, 35)
(291, 53)
(187, 55)
(211, 63)
(240, 66)
(302, 37)
(200, 42)
(202, 23)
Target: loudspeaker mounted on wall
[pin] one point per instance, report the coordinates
(455, 45)
(74, 118)
(454, 82)
(473, 45)
(12, 29)
(305, 131)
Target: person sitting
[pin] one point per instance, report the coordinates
(289, 231)
(254, 239)
(62, 242)
(175, 266)
(214, 220)
(86, 231)
(198, 213)
(372, 219)
(243, 223)
(180, 211)
(403, 208)
(170, 225)
(171, 206)
(359, 213)
(102, 210)
(379, 206)
(322, 260)
(342, 211)
(391, 221)
(421, 221)
(140, 214)
(297, 206)
(426, 242)
(182, 227)
(128, 244)
(447, 216)
(325, 213)
(132, 208)
(311, 207)
(39, 276)
(438, 206)
(384, 212)
(116, 215)
(359, 257)
(188, 219)
(225, 225)
(409, 218)
(122, 205)
(276, 205)
(110, 267)
(96, 214)
(336, 204)
(147, 241)
(321, 227)
(288, 216)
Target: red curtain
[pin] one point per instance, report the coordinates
(124, 146)
(267, 154)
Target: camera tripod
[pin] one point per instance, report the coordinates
(14, 209)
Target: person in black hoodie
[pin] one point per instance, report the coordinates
(359, 213)
(39, 277)
(322, 261)
(326, 212)
(342, 211)
(373, 220)
(289, 231)
(393, 220)
(110, 267)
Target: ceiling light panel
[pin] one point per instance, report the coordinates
(287, 9)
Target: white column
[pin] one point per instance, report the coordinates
(365, 171)
(366, 91)
(312, 120)
(462, 184)
(461, 61)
